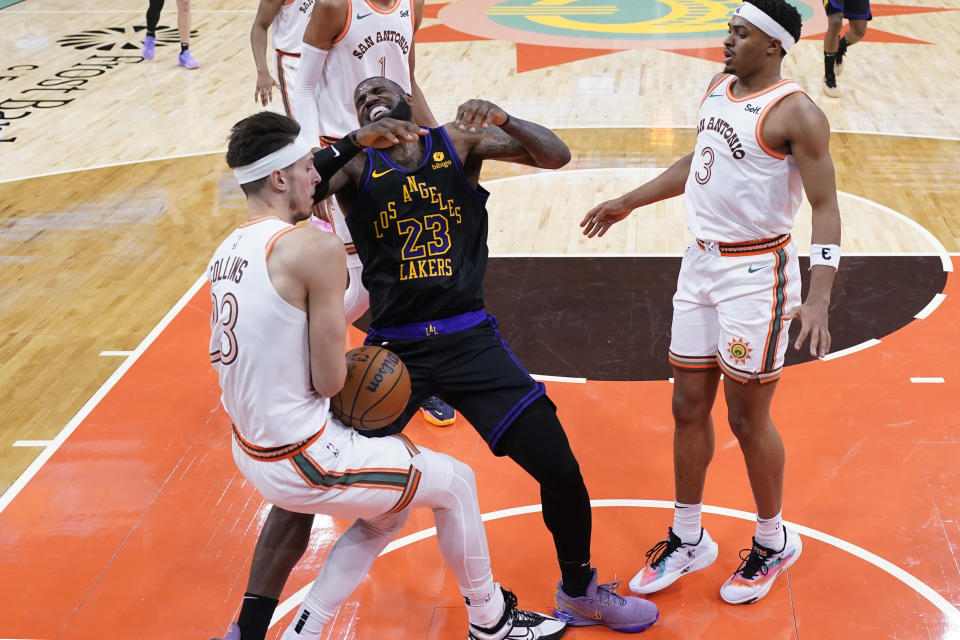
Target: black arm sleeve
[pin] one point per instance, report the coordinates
(329, 160)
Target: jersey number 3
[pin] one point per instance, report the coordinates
(703, 174)
(223, 341)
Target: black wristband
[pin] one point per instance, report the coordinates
(353, 138)
(329, 160)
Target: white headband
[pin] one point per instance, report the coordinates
(283, 157)
(755, 16)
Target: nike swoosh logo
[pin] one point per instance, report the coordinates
(377, 174)
(752, 270)
(596, 614)
(361, 17)
(336, 154)
(714, 95)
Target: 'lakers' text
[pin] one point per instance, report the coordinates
(426, 238)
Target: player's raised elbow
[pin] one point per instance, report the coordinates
(557, 158)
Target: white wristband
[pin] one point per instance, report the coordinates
(826, 254)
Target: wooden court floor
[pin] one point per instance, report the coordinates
(122, 514)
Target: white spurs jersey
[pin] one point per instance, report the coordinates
(259, 344)
(375, 42)
(289, 24)
(738, 188)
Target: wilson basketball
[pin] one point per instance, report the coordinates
(376, 390)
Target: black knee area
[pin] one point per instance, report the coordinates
(537, 442)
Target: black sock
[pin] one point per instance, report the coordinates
(183, 47)
(151, 33)
(828, 59)
(575, 577)
(844, 42)
(255, 614)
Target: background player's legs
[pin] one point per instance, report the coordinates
(448, 487)
(858, 29)
(153, 17)
(831, 44)
(183, 26)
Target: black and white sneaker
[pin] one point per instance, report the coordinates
(838, 58)
(516, 624)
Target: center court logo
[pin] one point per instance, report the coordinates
(119, 38)
(622, 19)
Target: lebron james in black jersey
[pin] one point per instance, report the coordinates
(418, 218)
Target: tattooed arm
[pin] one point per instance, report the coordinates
(484, 131)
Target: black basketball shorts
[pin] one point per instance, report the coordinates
(472, 370)
(851, 9)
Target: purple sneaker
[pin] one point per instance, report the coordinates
(603, 605)
(233, 633)
(187, 62)
(149, 44)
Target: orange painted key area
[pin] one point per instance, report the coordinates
(140, 525)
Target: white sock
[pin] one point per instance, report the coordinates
(770, 532)
(307, 625)
(686, 522)
(484, 605)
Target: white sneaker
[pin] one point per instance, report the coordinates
(755, 575)
(671, 558)
(515, 624)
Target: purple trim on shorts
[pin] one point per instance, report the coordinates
(850, 16)
(440, 327)
(538, 390)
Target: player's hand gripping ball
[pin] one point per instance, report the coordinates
(376, 390)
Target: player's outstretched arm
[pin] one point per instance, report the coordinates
(492, 134)
(668, 184)
(266, 12)
(422, 114)
(381, 134)
(808, 133)
(327, 21)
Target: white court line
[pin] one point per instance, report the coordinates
(105, 388)
(116, 164)
(931, 306)
(33, 443)
(557, 379)
(927, 380)
(845, 352)
(116, 353)
(941, 603)
(599, 126)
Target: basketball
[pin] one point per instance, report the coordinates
(375, 392)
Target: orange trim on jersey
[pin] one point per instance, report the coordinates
(384, 11)
(413, 16)
(253, 221)
(273, 240)
(346, 25)
(763, 114)
(327, 140)
(270, 454)
(287, 3)
(287, 53)
(751, 96)
(713, 86)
